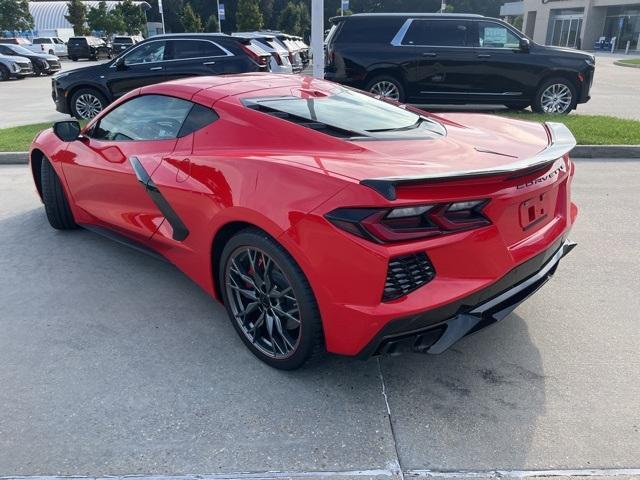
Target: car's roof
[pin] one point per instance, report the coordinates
(216, 87)
(407, 15)
(191, 35)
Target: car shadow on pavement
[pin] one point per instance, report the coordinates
(113, 362)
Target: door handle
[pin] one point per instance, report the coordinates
(155, 68)
(208, 63)
(484, 55)
(429, 54)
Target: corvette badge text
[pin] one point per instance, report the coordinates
(544, 178)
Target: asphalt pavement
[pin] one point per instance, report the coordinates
(114, 363)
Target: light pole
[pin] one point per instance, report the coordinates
(317, 37)
(218, 14)
(443, 6)
(161, 16)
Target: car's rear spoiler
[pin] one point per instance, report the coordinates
(561, 142)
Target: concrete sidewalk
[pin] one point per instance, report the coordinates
(113, 363)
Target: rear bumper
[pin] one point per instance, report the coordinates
(435, 331)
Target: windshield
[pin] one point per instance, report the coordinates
(20, 50)
(346, 110)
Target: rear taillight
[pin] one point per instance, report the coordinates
(385, 225)
(277, 57)
(261, 60)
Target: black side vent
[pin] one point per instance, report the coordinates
(305, 122)
(407, 273)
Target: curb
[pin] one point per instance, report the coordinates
(622, 64)
(580, 151)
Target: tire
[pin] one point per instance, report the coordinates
(74, 59)
(86, 103)
(4, 73)
(51, 52)
(55, 201)
(386, 83)
(305, 339)
(555, 96)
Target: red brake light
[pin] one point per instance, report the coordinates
(259, 59)
(385, 225)
(277, 57)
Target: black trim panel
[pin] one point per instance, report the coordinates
(180, 231)
(438, 318)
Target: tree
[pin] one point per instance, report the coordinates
(266, 8)
(102, 20)
(191, 21)
(212, 24)
(77, 16)
(172, 10)
(248, 17)
(133, 16)
(14, 15)
(295, 19)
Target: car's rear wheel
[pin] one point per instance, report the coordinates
(4, 73)
(386, 86)
(73, 59)
(556, 95)
(269, 301)
(86, 103)
(55, 201)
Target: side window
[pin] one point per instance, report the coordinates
(199, 116)
(440, 33)
(149, 53)
(148, 117)
(39, 41)
(5, 50)
(494, 35)
(185, 49)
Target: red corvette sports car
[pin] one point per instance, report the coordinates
(323, 218)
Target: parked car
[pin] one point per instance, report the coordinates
(14, 67)
(280, 61)
(50, 45)
(86, 91)
(120, 43)
(42, 63)
(15, 41)
(91, 48)
(450, 58)
(285, 198)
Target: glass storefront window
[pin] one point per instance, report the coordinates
(623, 22)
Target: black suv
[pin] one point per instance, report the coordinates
(455, 59)
(121, 43)
(87, 47)
(86, 91)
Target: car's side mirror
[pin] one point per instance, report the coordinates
(525, 44)
(67, 131)
(119, 63)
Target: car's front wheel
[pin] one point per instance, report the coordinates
(386, 86)
(4, 73)
(86, 103)
(555, 96)
(269, 301)
(55, 201)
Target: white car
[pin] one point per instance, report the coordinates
(14, 67)
(280, 61)
(50, 45)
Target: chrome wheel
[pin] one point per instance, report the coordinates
(556, 98)
(262, 302)
(88, 106)
(386, 89)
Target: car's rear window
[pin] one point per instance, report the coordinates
(346, 110)
(77, 41)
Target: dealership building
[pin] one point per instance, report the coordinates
(579, 23)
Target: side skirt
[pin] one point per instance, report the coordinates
(122, 240)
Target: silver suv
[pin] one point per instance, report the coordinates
(14, 67)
